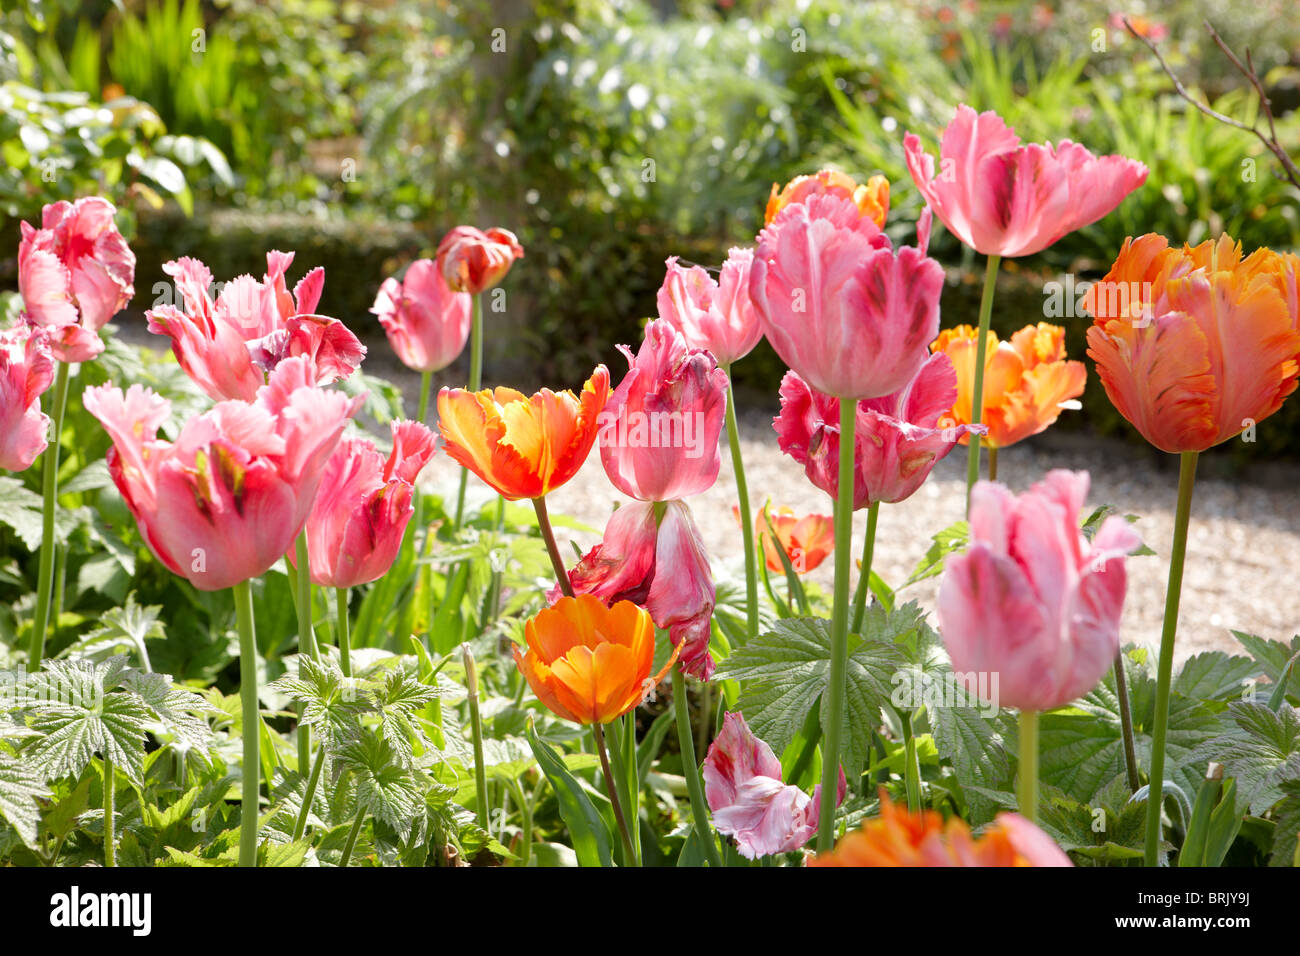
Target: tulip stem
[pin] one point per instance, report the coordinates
(50, 492)
(1027, 785)
(746, 519)
(345, 630)
(475, 383)
(629, 853)
(353, 833)
(864, 573)
(306, 637)
(426, 386)
(476, 732)
(251, 769)
(835, 690)
(1126, 723)
(313, 781)
(977, 397)
(993, 463)
(912, 765)
(1164, 673)
(557, 561)
(691, 770)
(110, 848)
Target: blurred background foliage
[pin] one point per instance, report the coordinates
(610, 135)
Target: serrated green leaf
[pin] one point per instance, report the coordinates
(978, 748)
(1214, 675)
(1262, 752)
(385, 788)
(950, 539)
(20, 789)
(1287, 832)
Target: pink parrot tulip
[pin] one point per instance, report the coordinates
(742, 783)
(26, 370)
(663, 568)
(472, 260)
(229, 345)
(853, 317)
(1033, 601)
(897, 437)
(224, 502)
(714, 314)
(75, 273)
(1003, 198)
(659, 431)
(426, 323)
(364, 503)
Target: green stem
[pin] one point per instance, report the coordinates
(306, 636)
(746, 516)
(426, 386)
(248, 698)
(864, 575)
(691, 770)
(475, 383)
(300, 827)
(911, 765)
(1126, 723)
(1027, 785)
(1164, 673)
(476, 731)
(993, 463)
(110, 843)
(351, 843)
(612, 787)
(833, 726)
(50, 492)
(553, 549)
(345, 630)
(977, 398)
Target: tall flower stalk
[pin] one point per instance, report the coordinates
(252, 766)
(977, 396)
(50, 501)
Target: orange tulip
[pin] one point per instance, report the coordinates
(589, 663)
(1193, 345)
(871, 199)
(901, 838)
(523, 446)
(1027, 381)
(806, 541)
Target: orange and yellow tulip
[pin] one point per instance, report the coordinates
(1195, 344)
(589, 663)
(1027, 381)
(807, 541)
(871, 198)
(524, 447)
(902, 838)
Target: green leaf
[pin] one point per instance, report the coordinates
(784, 672)
(385, 787)
(330, 702)
(980, 752)
(1273, 657)
(587, 829)
(1262, 752)
(1287, 831)
(950, 539)
(129, 624)
(20, 509)
(1214, 675)
(20, 790)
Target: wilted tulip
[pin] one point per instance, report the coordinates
(472, 260)
(742, 782)
(426, 323)
(921, 839)
(871, 198)
(659, 431)
(1002, 198)
(224, 502)
(230, 345)
(589, 663)
(1195, 344)
(26, 370)
(75, 273)
(1027, 380)
(356, 524)
(839, 306)
(1033, 601)
(713, 314)
(651, 554)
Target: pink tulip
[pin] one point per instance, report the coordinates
(363, 505)
(224, 502)
(659, 431)
(742, 783)
(714, 314)
(426, 323)
(75, 274)
(26, 370)
(1006, 199)
(897, 439)
(230, 345)
(663, 568)
(853, 317)
(472, 260)
(1033, 601)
